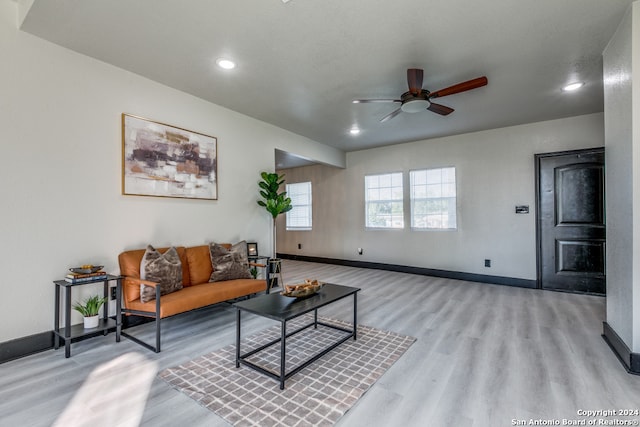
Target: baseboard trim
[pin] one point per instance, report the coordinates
(629, 359)
(25, 346)
(471, 277)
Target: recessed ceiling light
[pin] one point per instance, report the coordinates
(573, 86)
(227, 64)
(354, 131)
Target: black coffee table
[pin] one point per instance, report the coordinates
(281, 308)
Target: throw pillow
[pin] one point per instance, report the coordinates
(165, 269)
(229, 264)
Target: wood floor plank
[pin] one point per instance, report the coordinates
(485, 355)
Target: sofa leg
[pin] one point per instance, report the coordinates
(157, 349)
(142, 343)
(157, 321)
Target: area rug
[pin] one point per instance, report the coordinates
(318, 395)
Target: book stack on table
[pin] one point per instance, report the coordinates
(85, 277)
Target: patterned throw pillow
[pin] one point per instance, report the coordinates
(229, 264)
(165, 269)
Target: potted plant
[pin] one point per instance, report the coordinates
(275, 202)
(89, 310)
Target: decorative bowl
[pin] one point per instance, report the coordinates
(306, 289)
(86, 269)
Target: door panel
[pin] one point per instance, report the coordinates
(571, 221)
(579, 191)
(580, 257)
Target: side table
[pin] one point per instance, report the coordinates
(69, 332)
(261, 261)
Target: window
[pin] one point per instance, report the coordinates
(383, 201)
(299, 217)
(433, 198)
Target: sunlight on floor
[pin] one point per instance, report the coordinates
(114, 394)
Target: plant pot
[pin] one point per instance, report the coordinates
(91, 322)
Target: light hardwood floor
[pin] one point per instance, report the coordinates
(485, 355)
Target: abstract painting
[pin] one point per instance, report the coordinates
(166, 161)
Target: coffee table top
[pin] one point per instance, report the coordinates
(278, 307)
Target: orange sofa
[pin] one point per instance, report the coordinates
(197, 291)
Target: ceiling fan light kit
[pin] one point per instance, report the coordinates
(572, 86)
(414, 105)
(417, 99)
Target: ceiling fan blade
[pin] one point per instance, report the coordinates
(440, 109)
(460, 87)
(369, 101)
(414, 79)
(391, 115)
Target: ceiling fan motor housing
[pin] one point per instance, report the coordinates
(415, 103)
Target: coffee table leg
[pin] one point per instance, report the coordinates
(355, 315)
(283, 335)
(315, 319)
(237, 338)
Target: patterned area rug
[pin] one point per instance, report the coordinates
(318, 395)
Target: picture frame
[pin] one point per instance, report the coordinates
(161, 160)
(252, 249)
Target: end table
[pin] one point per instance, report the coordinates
(69, 332)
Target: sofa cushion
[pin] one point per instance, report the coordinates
(164, 268)
(229, 264)
(130, 267)
(199, 262)
(201, 295)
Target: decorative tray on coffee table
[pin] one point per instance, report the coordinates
(306, 289)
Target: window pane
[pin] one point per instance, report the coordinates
(385, 194)
(449, 190)
(299, 217)
(418, 177)
(420, 191)
(449, 175)
(434, 190)
(434, 176)
(383, 201)
(433, 198)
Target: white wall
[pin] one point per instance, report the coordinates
(61, 143)
(495, 172)
(622, 136)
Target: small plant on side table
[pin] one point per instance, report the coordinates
(90, 309)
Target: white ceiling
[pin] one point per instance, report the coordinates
(301, 64)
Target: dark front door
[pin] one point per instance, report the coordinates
(571, 221)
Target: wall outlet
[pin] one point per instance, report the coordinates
(359, 251)
(299, 245)
(112, 293)
(487, 263)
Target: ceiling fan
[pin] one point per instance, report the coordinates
(417, 99)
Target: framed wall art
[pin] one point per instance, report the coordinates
(252, 249)
(167, 161)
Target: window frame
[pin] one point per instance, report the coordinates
(308, 227)
(398, 202)
(426, 198)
